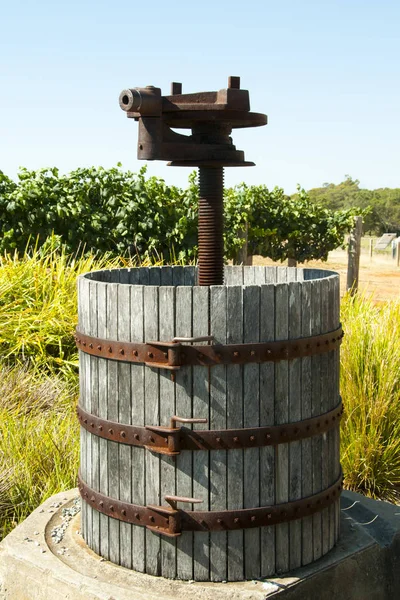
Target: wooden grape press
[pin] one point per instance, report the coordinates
(209, 396)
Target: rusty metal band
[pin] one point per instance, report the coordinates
(171, 521)
(173, 355)
(171, 441)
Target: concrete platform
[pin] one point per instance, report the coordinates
(365, 565)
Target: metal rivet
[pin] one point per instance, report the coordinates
(219, 521)
(252, 518)
(333, 340)
(236, 354)
(122, 351)
(327, 342)
(85, 421)
(327, 498)
(136, 436)
(101, 503)
(135, 352)
(152, 519)
(269, 351)
(84, 343)
(218, 440)
(152, 440)
(253, 353)
(92, 499)
(268, 436)
(137, 516)
(318, 424)
(112, 508)
(90, 346)
(123, 434)
(252, 438)
(123, 512)
(236, 439)
(236, 520)
(269, 516)
(150, 354)
(111, 431)
(86, 494)
(165, 354)
(110, 349)
(91, 424)
(98, 347)
(100, 427)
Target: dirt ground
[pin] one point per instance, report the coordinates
(379, 275)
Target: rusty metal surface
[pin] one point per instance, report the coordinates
(174, 355)
(211, 226)
(171, 521)
(172, 440)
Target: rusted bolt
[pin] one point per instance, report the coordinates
(236, 354)
(98, 347)
(101, 503)
(136, 436)
(152, 519)
(252, 518)
(219, 521)
(218, 440)
(135, 352)
(252, 353)
(110, 349)
(152, 440)
(236, 520)
(100, 428)
(111, 431)
(123, 434)
(252, 438)
(236, 439)
(150, 354)
(122, 351)
(112, 508)
(92, 499)
(123, 512)
(90, 346)
(137, 516)
(85, 421)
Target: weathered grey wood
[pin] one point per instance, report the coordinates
(251, 418)
(82, 394)
(94, 397)
(152, 417)
(218, 458)
(337, 392)
(316, 410)
(294, 415)
(325, 310)
(267, 417)
(166, 329)
(201, 409)
(124, 415)
(259, 304)
(306, 399)
(113, 409)
(137, 417)
(282, 416)
(234, 401)
(184, 462)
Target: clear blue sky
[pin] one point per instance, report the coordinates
(326, 73)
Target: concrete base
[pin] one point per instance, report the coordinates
(365, 565)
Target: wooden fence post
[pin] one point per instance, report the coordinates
(354, 249)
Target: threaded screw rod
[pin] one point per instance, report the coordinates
(211, 226)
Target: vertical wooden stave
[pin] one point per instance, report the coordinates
(218, 458)
(316, 443)
(336, 437)
(94, 384)
(82, 395)
(295, 289)
(113, 409)
(184, 408)
(152, 417)
(282, 416)
(267, 417)
(201, 408)
(235, 458)
(138, 418)
(325, 406)
(306, 444)
(251, 418)
(124, 415)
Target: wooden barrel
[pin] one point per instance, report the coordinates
(256, 305)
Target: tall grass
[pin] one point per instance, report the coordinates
(39, 441)
(370, 387)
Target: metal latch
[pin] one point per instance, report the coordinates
(172, 433)
(173, 514)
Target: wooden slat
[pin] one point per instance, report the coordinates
(113, 410)
(124, 416)
(183, 386)
(82, 393)
(251, 418)
(201, 408)
(94, 397)
(282, 416)
(336, 452)
(152, 417)
(166, 329)
(267, 417)
(316, 442)
(294, 415)
(218, 458)
(234, 400)
(325, 309)
(138, 404)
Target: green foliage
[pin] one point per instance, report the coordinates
(282, 227)
(383, 214)
(370, 387)
(111, 211)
